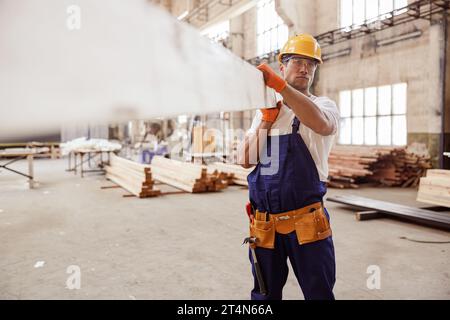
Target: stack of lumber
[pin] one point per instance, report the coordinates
(185, 176)
(386, 166)
(224, 177)
(435, 188)
(400, 168)
(132, 176)
(234, 174)
(348, 164)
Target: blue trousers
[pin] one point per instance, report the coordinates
(313, 265)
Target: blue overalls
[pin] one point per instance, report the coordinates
(295, 185)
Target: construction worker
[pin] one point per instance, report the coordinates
(288, 219)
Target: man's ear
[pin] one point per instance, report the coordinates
(282, 69)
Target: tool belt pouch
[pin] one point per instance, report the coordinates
(312, 226)
(264, 232)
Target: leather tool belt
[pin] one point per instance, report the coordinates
(310, 223)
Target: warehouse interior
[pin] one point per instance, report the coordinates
(155, 208)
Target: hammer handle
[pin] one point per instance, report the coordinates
(262, 287)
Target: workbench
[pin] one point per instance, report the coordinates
(87, 155)
(53, 148)
(16, 156)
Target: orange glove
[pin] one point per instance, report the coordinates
(270, 114)
(271, 79)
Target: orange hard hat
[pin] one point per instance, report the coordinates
(304, 45)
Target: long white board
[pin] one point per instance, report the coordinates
(128, 60)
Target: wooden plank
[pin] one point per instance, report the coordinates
(430, 218)
(146, 56)
(124, 184)
(30, 171)
(368, 215)
(133, 177)
(433, 199)
(175, 165)
(438, 173)
(186, 176)
(176, 184)
(435, 188)
(136, 179)
(239, 174)
(17, 154)
(116, 160)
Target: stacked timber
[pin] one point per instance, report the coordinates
(387, 166)
(185, 176)
(132, 176)
(225, 178)
(234, 174)
(435, 188)
(348, 165)
(400, 168)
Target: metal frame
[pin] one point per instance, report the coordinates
(433, 11)
(202, 11)
(275, 28)
(91, 155)
(30, 175)
(5, 166)
(391, 115)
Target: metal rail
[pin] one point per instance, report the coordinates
(433, 11)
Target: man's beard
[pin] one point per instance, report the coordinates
(299, 87)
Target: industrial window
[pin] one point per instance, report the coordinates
(271, 31)
(373, 116)
(357, 12)
(219, 32)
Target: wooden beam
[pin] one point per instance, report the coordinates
(426, 217)
(435, 188)
(128, 60)
(368, 215)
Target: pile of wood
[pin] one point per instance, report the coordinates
(132, 176)
(435, 188)
(385, 166)
(185, 176)
(224, 177)
(233, 174)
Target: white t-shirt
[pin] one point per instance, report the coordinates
(319, 146)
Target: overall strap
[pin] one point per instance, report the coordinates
(295, 125)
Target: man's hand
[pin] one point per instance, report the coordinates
(271, 79)
(270, 114)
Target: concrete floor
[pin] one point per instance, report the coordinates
(187, 246)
